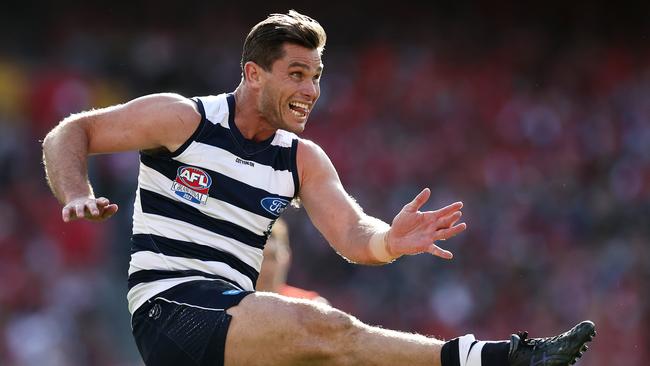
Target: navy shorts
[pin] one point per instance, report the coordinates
(187, 324)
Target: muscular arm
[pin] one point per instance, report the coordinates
(352, 232)
(154, 121)
(336, 215)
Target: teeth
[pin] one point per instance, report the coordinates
(304, 108)
(298, 114)
(299, 105)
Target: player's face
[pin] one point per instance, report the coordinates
(291, 88)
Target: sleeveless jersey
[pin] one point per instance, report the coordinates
(205, 211)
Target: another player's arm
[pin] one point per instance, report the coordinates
(362, 238)
(150, 122)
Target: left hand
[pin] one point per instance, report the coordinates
(89, 208)
(415, 232)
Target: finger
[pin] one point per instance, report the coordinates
(448, 209)
(65, 214)
(448, 221)
(419, 200)
(109, 211)
(439, 252)
(92, 208)
(444, 234)
(79, 210)
(102, 201)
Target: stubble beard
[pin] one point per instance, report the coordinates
(268, 110)
(271, 110)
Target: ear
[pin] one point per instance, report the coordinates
(253, 73)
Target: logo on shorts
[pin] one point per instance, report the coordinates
(274, 205)
(155, 311)
(231, 292)
(192, 184)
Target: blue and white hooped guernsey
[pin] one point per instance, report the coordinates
(204, 212)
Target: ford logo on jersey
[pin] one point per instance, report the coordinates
(274, 205)
(192, 184)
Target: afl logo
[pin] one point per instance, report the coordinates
(274, 205)
(194, 178)
(192, 184)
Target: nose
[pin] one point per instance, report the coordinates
(311, 89)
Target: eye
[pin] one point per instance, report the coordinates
(296, 75)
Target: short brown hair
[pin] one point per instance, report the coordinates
(264, 42)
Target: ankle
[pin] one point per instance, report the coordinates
(467, 351)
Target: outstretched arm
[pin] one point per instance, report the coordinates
(150, 122)
(362, 238)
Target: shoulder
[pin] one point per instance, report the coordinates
(180, 104)
(167, 99)
(162, 120)
(314, 166)
(164, 107)
(308, 149)
(310, 156)
(169, 118)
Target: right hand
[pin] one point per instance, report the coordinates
(414, 231)
(89, 208)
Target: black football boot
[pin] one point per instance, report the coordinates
(561, 350)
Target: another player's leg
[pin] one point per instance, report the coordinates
(268, 329)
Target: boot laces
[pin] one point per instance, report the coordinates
(535, 342)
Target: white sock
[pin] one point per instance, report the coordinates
(474, 357)
(464, 345)
(469, 350)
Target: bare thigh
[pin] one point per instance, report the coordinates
(269, 329)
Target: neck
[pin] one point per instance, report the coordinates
(249, 121)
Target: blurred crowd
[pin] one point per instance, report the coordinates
(544, 135)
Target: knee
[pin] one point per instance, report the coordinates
(327, 333)
(324, 321)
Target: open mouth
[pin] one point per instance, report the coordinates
(299, 109)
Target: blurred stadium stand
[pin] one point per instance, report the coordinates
(537, 116)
